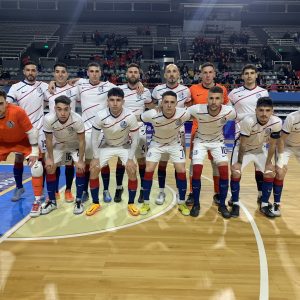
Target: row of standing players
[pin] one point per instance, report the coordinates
(92, 94)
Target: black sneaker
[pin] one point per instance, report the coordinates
(118, 195)
(259, 202)
(235, 211)
(190, 200)
(222, 209)
(141, 197)
(216, 199)
(265, 210)
(194, 212)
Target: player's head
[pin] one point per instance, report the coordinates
(208, 73)
(133, 74)
(249, 75)
(3, 103)
(115, 100)
(94, 72)
(30, 71)
(264, 109)
(62, 108)
(60, 74)
(168, 103)
(171, 74)
(215, 98)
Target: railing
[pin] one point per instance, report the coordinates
(46, 38)
(281, 42)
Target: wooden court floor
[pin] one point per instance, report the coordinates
(170, 257)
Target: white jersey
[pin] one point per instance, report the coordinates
(210, 128)
(135, 102)
(67, 90)
(291, 126)
(183, 93)
(93, 98)
(166, 131)
(31, 98)
(65, 135)
(259, 134)
(115, 129)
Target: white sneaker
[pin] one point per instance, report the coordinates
(35, 209)
(47, 207)
(276, 210)
(160, 198)
(78, 208)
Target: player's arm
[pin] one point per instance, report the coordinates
(134, 135)
(237, 167)
(275, 136)
(188, 102)
(96, 130)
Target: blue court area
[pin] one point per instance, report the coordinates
(13, 212)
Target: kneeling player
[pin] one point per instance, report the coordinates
(64, 132)
(117, 123)
(18, 135)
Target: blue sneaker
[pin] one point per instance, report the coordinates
(106, 196)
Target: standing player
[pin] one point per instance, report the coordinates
(30, 95)
(63, 88)
(167, 121)
(64, 131)
(211, 119)
(136, 102)
(244, 101)
(117, 123)
(289, 144)
(18, 135)
(182, 92)
(199, 94)
(255, 130)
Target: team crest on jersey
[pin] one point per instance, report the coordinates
(178, 122)
(123, 124)
(70, 129)
(258, 95)
(100, 89)
(268, 131)
(68, 93)
(39, 90)
(10, 124)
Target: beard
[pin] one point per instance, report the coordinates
(133, 81)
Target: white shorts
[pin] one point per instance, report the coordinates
(259, 159)
(63, 156)
(288, 151)
(106, 153)
(89, 145)
(174, 152)
(217, 150)
(142, 147)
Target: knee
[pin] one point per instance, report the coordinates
(37, 169)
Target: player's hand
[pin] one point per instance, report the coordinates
(51, 87)
(80, 166)
(269, 168)
(280, 172)
(32, 160)
(140, 88)
(95, 164)
(72, 81)
(131, 166)
(237, 168)
(49, 164)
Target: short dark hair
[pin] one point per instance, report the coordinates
(93, 64)
(115, 91)
(30, 62)
(63, 99)
(60, 64)
(216, 89)
(3, 94)
(249, 66)
(264, 101)
(207, 64)
(168, 93)
(133, 65)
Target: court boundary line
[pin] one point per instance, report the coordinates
(6, 237)
(263, 263)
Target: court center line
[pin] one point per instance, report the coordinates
(263, 263)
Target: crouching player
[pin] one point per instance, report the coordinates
(117, 123)
(18, 135)
(167, 121)
(64, 132)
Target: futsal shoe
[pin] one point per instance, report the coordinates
(145, 209)
(265, 210)
(195, 211)
(93, 209)
(184, 209)
(133, 210)
(106, 196)
(222, 209)
(190, 200)
(69, 196)
(47, 207)
(118, 195)
(35, 209)
(160, 198)
(276, 209)
(78, 208)
(235, 211)
(17, 194)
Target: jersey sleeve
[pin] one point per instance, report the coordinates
(97, 122)
(147, 96)
(288, 124)
(80, 126)
(147, 116)
(155, 95)
(188, 96)
(192, 110)
(47, 128)
(276, 128)
(133, 124)
(231, 114)
(12, 95)
(231, 97)
(186, 116)
(246, 127)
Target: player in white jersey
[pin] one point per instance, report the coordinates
(117, 123)
(183, 94)
(209, 136)
(136, 102)
(289, 144)
(30, 95)
(256, 130)
(167, 121)
(64, 132)
(62, 87)
(244, 101)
